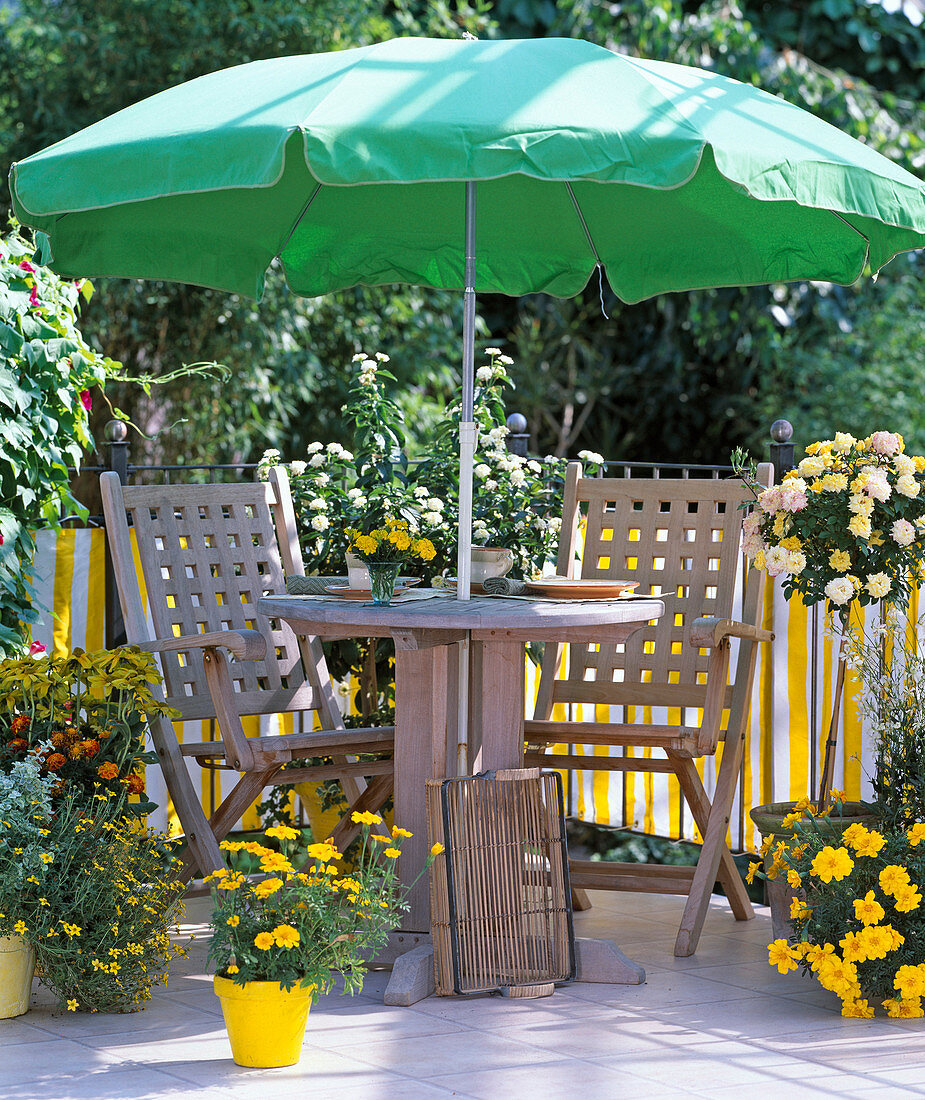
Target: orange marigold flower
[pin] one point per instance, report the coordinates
(90, 747)
(18, 744)
(20, 723)
(134, 782)
(55, 762)
(107, 770)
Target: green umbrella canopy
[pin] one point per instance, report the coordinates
(350, 167)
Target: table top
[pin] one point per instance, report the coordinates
(482, 617)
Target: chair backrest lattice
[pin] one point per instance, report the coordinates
(207, 553)
(680, 540)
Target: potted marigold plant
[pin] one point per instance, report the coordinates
(88, 713)
(857, 918)
(276, 942)
(91, 893)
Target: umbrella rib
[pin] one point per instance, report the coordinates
(295, 224)
(584, 224)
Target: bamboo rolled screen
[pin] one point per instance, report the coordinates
(500, 899)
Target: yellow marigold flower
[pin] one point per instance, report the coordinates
(392, 853)
(397, 832)
(20, 928)
(752, 868)
(832, 863)
(231, 969)
(893, 879)
(793, 879)
(269, 886)
(908, 900)
(910, 981)
(854, 949)
(381, 839)
(855, 834)
(263, 941)
(858, 1008)
(871, 844)
(903, 1010)
(231, 882)
(780, 955)
(282, 832)
(324, 852)
(286, 936)
(423, 549)
(72, 1004)
(365, 818)
(791, 819)
(868, 910)
(436, 849)
(798, 909)
(232, 845)
(233, 921)
(837, 795)
(916, 834)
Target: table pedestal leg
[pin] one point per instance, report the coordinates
(421, 700)
(496, 706)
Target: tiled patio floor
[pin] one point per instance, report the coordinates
(714, 1025)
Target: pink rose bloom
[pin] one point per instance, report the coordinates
(35, 649)
(86, 400)
(903, 532)
(769, 501)
(878, 487)
(792, 500)
(885, 443)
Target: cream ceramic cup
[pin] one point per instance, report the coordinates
(490, 561)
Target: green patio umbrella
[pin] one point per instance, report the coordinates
(362, 166)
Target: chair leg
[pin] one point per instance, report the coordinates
(241, 797)
(727, 873)
(376, 792)
(714, 853)
(580, 899)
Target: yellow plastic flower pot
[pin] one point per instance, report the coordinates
(17, 965)
(265, 1023)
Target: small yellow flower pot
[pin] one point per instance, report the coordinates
(265, 1023)
(17, 965)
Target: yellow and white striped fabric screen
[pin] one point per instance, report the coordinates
(790, 706)
(69, 576)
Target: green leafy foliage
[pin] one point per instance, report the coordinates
(47, 373)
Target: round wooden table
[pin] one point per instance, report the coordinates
(426, 676)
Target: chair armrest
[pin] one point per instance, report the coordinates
(707, 633)
(246, 644)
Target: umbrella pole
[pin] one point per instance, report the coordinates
(467, 444)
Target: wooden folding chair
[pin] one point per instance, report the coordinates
(207, 553)
(681, 540)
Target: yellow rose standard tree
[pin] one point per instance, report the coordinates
(846, 526)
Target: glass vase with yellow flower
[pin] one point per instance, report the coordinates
(385, 550)
(278, 938)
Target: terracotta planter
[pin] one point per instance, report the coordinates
(265, 1023)
(768, 820)
(17, 966)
